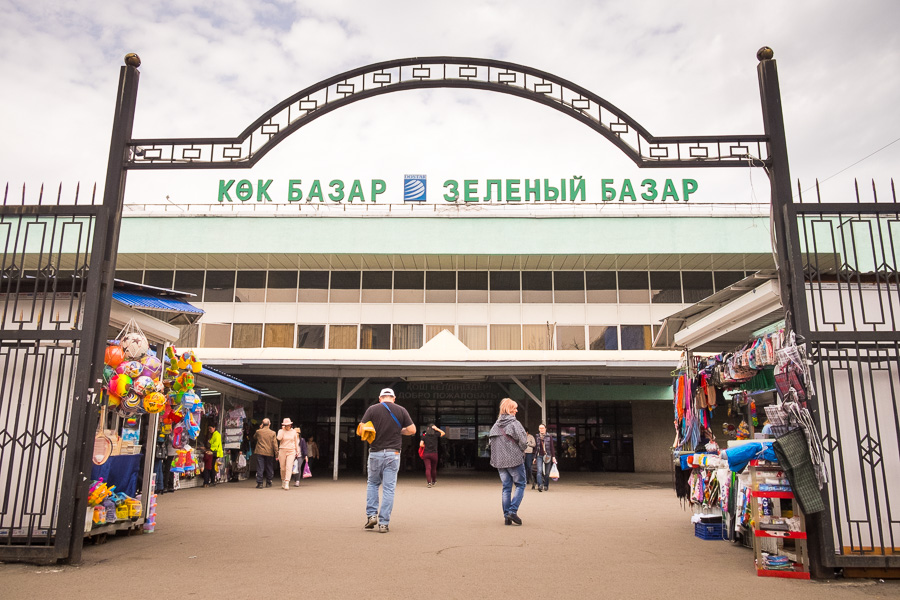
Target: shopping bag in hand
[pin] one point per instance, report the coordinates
(296, 469)
(554, 472)
(306, 472)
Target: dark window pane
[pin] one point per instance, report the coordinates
(440, 280)
(314, 280)
(636, 337)
(311, 336)
(160, 279)
(473, 280)
(132, 276)
(251, 286)
(697, 285)
(726, 278)
(568, 280)
(409, 280)
(665, 287)
(505, 280)
(282, 280)
(633, 280)
(601, 280)
(375, 337)
(220, 288)
(344, 280)
(190, 282)
(604, 337)
(376, 280)
(537, 280)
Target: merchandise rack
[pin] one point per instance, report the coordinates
(800, 568)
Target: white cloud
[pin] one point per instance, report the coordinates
(678, 68)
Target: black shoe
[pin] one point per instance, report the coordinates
(268, 484)
(546, 489)
(514, 518)
(259, 486)
(540, 489)
(532, 486)
(507, 521)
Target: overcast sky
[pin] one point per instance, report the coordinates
(678, 68)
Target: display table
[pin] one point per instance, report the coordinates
(122, 471)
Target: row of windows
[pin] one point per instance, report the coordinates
(408, 337)
(639, 287)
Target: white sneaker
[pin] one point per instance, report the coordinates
(296, 484)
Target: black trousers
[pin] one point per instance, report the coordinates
(267, 464)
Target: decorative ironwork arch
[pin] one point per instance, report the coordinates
(305, 106)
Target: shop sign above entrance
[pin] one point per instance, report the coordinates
(495, 191)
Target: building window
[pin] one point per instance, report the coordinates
(190, 282)
(601, 287)
(604, 337)
(409, 287)
(130, 275)
(407, 337)
(188, 337)
(634, 287)
(636, 337)
(219, 286)
(570, 337)
(342, 337)
(665, 287)
(433, 330)
(505, 286)
(473, 336)
(250, 287)
(215, 335)
(160, 279)
(440, 286)
(282, 286)
(311, 336)
(568, 287)
(279, 335)
(345, 286)
(247, 335)
(473, 287)
(697, 285)
(725, 278)
(537, 287)
(375, 337)
(506, 337)
(376, 286)
(537, 337)
(313, 286)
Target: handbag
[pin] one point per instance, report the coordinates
(296, 469)
(421, 451)
(554, 473)
(306, 472)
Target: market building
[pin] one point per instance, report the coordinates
(553, 305)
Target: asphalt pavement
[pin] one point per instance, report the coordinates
(592, 535)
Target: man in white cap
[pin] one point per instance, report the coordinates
(391, 422)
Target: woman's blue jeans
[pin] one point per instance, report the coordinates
(513, 476)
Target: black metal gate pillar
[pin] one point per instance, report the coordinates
(113, 200)
(780, 181)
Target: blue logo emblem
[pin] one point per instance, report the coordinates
(414, 188)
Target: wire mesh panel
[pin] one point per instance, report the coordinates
(848, 314)
(46, 288)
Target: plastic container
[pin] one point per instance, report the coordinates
(708, 531)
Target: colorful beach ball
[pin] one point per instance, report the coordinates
(152, 366)
(132, 368)
(154, 402)
(119, 385)
(135, 345)
(144, 385)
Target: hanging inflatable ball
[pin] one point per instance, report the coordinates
(135, 345)
(119, 385)
(108, 373)
(132, 368)
(143, 385)
(154, 402)
(114, 356)
(132, 401)
(152, 366)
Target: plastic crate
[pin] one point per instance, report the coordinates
(708, 531)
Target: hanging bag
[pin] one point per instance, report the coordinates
(554, 473)
(306, 472)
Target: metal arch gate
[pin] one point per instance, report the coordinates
(243, 151)
(848, 313)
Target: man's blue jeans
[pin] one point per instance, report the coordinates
(513, 476)
(383, 468)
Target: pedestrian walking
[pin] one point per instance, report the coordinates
(507, 441)
(288, 446)
(429, 445)
(266, 448)
(529, 458)
(301, 459)
(313, 448)
(546, 457)
(390, 422)
(215, 446)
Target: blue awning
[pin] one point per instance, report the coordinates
(151, 302)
